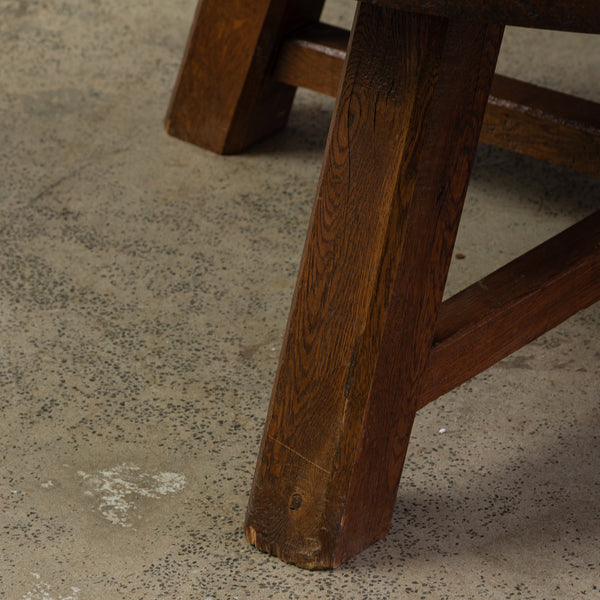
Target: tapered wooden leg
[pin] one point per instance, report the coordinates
(225, 97)
(395, 173)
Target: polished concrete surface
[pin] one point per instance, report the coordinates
(144, 288)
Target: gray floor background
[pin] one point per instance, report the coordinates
(144, 287)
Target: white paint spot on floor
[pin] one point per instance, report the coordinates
(43, 591)
(119, 488)
(48, 484)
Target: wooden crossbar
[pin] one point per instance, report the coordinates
(521, 117)
(514, 305)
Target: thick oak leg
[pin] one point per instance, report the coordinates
(225, 97)
(362, 321)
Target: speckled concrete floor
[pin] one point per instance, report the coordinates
(144, 287)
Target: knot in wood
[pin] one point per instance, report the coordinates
(295, 502)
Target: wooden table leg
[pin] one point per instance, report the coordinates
(389, 199)
(225, 97)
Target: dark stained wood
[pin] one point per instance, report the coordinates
(521, 117)
(511, 307)
(396, 168)
(225, 97)
(544, 124)
(313, 57)
(567, 15)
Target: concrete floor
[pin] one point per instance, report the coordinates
(144, 288)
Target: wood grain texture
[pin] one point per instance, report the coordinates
(567, 15)
(521, 117)
(450, 132)
(511, 307)
(544, 124)
(225, 97)
(313, 57)
(396, 167)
